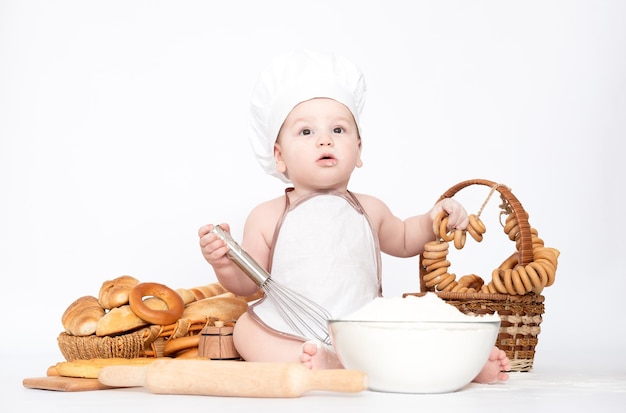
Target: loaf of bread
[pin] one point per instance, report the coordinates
(186, 294)
(114, 293)
(82, 316)
(189, 295)
(90, 368)
(122, 319)
(223, 307)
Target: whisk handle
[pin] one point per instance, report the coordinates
(241, 258)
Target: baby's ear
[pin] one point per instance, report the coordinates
(359, 162)
(278, 158)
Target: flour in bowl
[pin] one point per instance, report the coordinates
(429, 307)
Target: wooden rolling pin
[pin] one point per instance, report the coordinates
(232, 378)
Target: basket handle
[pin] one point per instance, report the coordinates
(526, 243)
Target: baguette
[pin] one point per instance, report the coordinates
(90, 368)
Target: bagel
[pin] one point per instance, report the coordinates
(434, 254)
(442, 263)
(517, 281)
(541, 271)
(432, 279)
(447, 282)
(437, 222)
(427, 262)
(509, 223)
(534, 277)
(443, 230)
(508, 281)
(523, 275)
(478, 237)
(477, 224)
(459, 239)
(510, 262)
(497, 281)
(436, 246)
(513, 233)
(174, 302)
(471, 281)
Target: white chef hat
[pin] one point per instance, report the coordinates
(293, 78)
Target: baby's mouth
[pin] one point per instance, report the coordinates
(327, 159)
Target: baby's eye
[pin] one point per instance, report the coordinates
(338, 130)
(305, 132)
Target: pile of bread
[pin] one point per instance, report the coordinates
(125, 305)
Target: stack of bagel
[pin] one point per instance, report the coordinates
(166, 321)
(511, 277)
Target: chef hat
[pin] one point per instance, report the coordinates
(293, 78)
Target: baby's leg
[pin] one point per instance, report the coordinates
(495, 368)
(256, 343)
(319, 356)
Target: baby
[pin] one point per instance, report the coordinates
(319, 238)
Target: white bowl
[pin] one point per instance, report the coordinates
(415, 356)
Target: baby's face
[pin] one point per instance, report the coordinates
(318, 145)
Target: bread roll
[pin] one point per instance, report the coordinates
(114, 293)
(209, 290)
(223, 307)
(187, 296)
(122, 319)
(82, 316)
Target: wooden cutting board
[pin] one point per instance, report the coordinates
(60, 383)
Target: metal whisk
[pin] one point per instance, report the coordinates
(304, 316)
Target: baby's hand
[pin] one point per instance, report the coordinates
(457, 215)
(213, 248)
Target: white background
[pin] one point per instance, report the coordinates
(123, 130)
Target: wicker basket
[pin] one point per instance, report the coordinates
(182, 339)
(521, 315)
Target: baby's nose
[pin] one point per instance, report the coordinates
(324, 139)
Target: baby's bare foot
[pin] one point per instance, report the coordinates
(495, 368)
(318, 356)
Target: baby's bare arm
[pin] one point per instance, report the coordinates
(257, 237)
(228, 274)
(406, 238)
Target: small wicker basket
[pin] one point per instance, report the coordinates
(182, 339)
(521, 315)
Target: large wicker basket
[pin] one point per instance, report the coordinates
(521, 315)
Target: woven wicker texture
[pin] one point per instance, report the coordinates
(520, 314)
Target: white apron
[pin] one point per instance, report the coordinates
(325, 249)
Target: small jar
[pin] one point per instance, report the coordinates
(216, 343)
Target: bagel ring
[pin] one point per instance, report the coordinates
(443, 230)
(471, 281)
(437, 222)
(174, 302)
(435, 254)
(436, 246)
(459, 239)
(478, 237)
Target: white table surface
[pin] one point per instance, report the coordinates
(543, 389)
